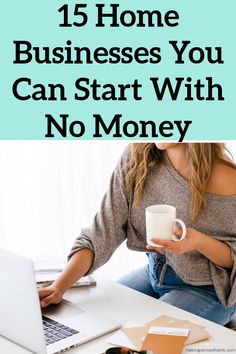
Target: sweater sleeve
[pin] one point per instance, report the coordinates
(226, 287)
(108, 229)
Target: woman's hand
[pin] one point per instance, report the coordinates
(190, 243)
(216, 251)
(50, 295)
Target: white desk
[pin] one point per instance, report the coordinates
(126, 305)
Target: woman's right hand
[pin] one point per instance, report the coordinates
(50, 295)
(78, 265)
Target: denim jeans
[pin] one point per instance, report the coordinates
(199, 300)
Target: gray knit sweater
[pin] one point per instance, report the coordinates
(118, 221)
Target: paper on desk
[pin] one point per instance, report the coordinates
(43, 277)
(56, 264)
(129, 337)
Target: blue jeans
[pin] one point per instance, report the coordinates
(199, 300)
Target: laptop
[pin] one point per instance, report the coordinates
(58, 328)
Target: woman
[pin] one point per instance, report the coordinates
(197, 274)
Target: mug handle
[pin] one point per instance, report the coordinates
(182, 224)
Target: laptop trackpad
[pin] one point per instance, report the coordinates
(64, 310)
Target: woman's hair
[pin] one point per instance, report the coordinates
(200, 156)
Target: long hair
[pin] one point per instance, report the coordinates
(200, 156)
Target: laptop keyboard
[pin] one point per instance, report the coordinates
(55, 331)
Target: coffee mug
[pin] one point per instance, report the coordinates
(160, 220)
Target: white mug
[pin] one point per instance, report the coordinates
(160, 220)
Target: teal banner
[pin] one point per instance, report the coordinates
(137, 70)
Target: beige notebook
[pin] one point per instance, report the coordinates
(196, 334)
(137, 334)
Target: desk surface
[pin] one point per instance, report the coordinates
(126, 305)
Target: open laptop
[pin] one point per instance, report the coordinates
(60, 327)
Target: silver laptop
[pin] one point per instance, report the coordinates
(60, 326)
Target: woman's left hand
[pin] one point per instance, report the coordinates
(188, 244)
